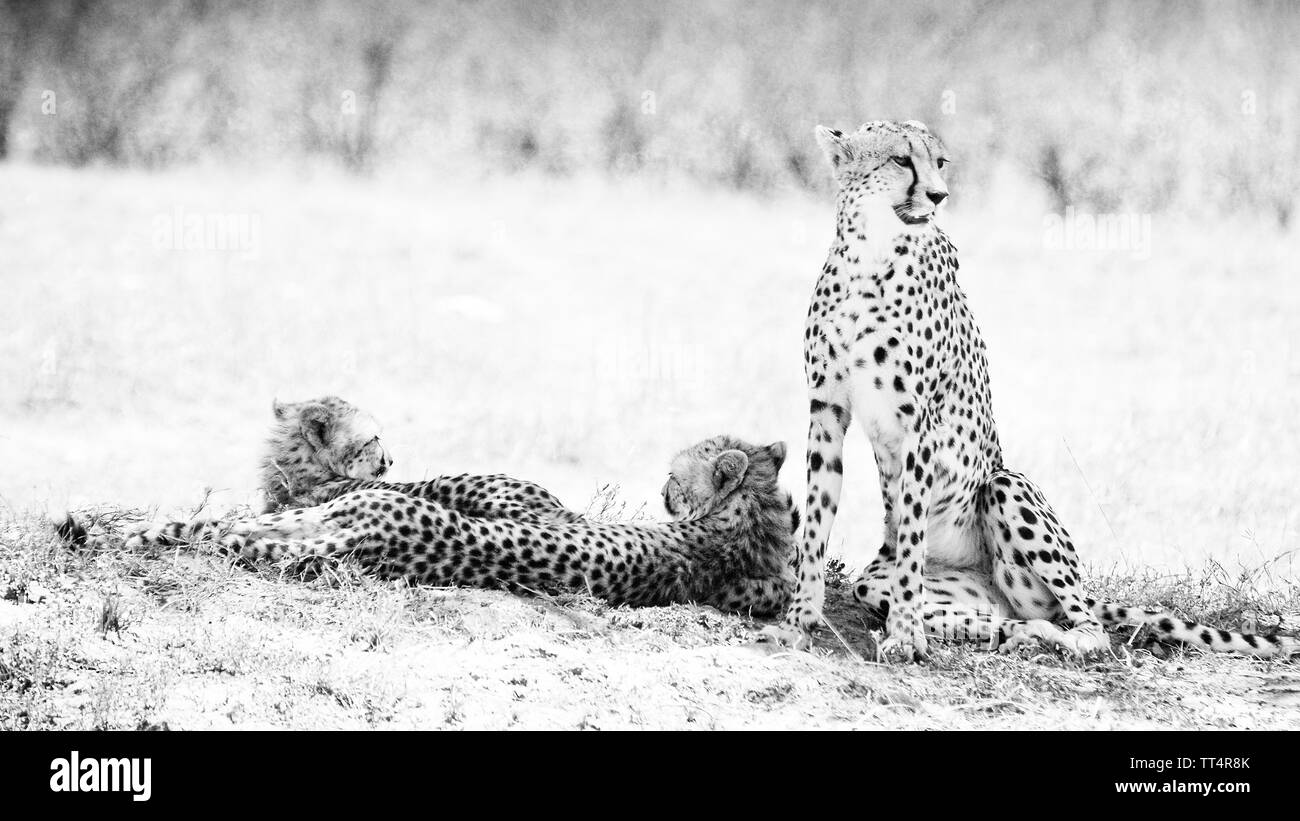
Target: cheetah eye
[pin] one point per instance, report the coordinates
(905, 162)
(941, 162)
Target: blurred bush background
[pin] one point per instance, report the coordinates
(1107, 105)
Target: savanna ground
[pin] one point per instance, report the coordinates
(578, 332)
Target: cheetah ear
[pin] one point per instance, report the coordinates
(280, 409)
(835, 146)
(728, 469)
(315, 422)
(777, 451)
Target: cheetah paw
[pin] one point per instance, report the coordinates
(1020, 640)
(1081, 642)
(785, 635)
(906, 642)
(1085, 641)
(900, 651)
(904, 645)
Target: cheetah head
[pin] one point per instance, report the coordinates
(319, 440)
(707, 476)
(901, 162)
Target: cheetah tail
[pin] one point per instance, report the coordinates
(1168, 627)
(71, 531)
(76, 533)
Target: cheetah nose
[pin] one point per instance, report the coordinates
(937, 197)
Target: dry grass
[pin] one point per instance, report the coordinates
(181, 639)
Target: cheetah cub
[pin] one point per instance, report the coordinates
(728, 543)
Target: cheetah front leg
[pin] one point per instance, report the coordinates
(359, 524)
(254, 546)
(906, 633)
(826, 430)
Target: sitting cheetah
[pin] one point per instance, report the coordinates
(971, 548)
(729, 544)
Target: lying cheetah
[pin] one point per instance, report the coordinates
(971, 548)
(729, 544)
(323, 448)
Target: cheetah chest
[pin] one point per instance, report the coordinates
(885, 402)
(953, 538)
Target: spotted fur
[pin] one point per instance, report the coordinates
(966, 605)
(889, 341)
(729, 543)
(323, 448)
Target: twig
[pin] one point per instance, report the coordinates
(1095, 500)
